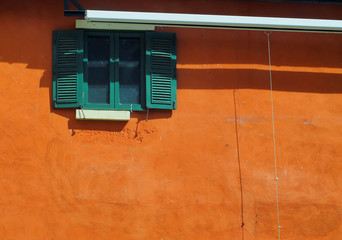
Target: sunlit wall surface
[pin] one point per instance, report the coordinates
(203, 171)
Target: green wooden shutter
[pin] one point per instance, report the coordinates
(67, 69)
(161, 83)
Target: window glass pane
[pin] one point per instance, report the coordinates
(98, 69)
(129, 70)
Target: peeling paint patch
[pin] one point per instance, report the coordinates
(243, 120)
(105, 137)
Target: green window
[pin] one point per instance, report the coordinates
(114, 70)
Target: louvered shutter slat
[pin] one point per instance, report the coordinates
(67, 68)
(161, 84)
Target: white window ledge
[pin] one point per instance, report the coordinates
(112, 115)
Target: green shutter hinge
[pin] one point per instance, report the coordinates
(174, 104)
(54, 103)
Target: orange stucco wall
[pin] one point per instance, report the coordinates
(203, 171)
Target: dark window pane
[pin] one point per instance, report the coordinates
(130, 70)
(98, 69)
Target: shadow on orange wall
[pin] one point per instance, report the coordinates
(114, 126)
(229, 69)
(207, 58)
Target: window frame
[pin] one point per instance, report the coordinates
(114, 60)
(142, 105)
(158, 70)
(86, 104)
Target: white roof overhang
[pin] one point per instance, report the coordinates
(214, 21)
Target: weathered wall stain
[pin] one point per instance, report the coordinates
(301, 221)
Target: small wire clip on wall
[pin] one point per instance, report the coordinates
(148, 109)
(81, 108)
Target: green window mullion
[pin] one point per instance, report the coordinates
(85, 72)
(80, 69)
(116, 72)
(143, 69)
(112, 72)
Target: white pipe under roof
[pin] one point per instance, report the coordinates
(216, 21)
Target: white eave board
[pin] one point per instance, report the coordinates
(220, 21)
(85, 24)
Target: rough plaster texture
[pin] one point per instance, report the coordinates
(176, 176)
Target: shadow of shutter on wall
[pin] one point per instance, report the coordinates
(161, 83)
(67, 68)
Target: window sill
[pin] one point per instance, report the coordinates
(111, 115)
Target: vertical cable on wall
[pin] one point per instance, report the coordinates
(239, 164)
(238, 148)
(273, 128)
